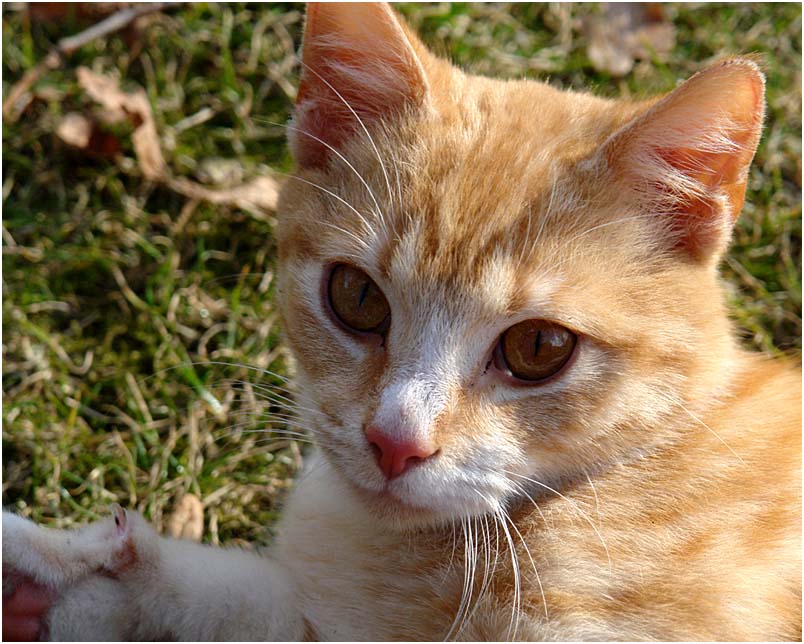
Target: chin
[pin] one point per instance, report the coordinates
(400, 508)
(396, 513)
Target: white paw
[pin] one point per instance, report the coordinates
(57, 558)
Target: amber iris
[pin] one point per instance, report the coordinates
(534, 350)
(356, 300)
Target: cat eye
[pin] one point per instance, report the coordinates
(534, 350)
(356, 301)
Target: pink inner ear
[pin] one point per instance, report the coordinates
(358, 66)
(700, 220)
(324, 115)
(689, 155)
(697, 219)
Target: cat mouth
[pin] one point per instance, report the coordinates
(395, 506)
(402, 505)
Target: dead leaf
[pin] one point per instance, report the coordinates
(625, 32)
(19, 96)
(134, 106)
(104, 90)
(219, 172)
(261, 193)
(85, 134)
(187, 520)
(75, 129)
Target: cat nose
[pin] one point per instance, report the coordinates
(394, 456)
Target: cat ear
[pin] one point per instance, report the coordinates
(359, 65)
(688, 156)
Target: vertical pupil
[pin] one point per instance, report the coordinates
(363, 293)
(537, 343)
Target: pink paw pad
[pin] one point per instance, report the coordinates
(124, 553)
(120, 519)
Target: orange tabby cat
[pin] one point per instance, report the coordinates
(533, 418)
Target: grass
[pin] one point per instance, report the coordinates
(121, 297)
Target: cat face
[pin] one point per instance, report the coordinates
(494, 286)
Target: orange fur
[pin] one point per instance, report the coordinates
(647, 488)
(672, 456)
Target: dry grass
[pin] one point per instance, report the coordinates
(122, 297)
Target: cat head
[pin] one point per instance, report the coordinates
(492, 287)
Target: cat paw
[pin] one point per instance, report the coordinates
(66, 584)
(25, 607)
(59, 558)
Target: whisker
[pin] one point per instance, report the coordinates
(345, 160)
(532, 563)
(486, 572)
(237, 450)
(294, 438)
(575, 507)
(246, 418)
(275, 445)
(594, 492)
(269, 391)
(465, 591)
(359, 120)
(248, 387)
(400, 201)
(487, 550)
(454, 544)
(362, 242)
(548, 211)
(247, 427)
(526, 250)
(348, 233)
(278, 432)
(229, 430)
(512, 627)
(714, 433)
(567, 256)
(521, 490)
(472, 569)
(263, 409)
(290, 410)
(203, 363)
(267, 416)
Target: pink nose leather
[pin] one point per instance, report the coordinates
(395, 457)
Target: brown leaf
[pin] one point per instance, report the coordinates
(625, 32)
(20, 96)
(219, 172)
(75, 129)
(261, 193)
(187, 520)
(137, 109)
(85, 134)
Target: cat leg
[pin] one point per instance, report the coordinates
(59, 583)
(117, 579)
(93, 610)
(224, 594)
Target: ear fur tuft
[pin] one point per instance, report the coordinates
(688, 156)
(359, 66)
